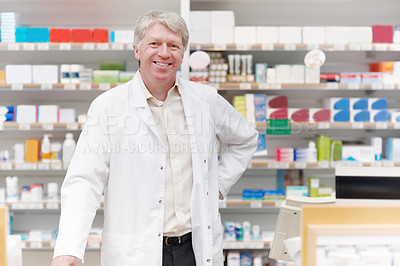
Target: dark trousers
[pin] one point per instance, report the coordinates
(178, 251)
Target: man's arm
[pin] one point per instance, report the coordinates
(83, 185)
(238, 143)
(64, 260)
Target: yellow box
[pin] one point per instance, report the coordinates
(32, 150)
(2, 77)
(3, 234)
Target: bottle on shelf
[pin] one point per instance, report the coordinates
(68, 148)
(46, 148)
(311, 152)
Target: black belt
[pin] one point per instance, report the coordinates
(176, 240)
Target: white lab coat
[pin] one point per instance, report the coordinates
(120, 152)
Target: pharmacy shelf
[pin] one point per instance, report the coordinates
(240, 245)
(12, 126)
(58, 87)
(381, 47)
(95, 245)
(272, 164)
(296, 126)
(330, 86)
(37, 167)
(312, 127)
(65, 47)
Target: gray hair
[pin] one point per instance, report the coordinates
(171, 20)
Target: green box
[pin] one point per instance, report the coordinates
(105, 76)
(278, 127)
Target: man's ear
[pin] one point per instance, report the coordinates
(136, 50)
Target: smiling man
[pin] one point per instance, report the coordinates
(160, 197)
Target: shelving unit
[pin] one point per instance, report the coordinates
(262, 171)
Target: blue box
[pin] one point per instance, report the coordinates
(360, 116)
(38, 35)
(339, 103)
(358, 103)
(340, 115)
(380, 116)
(253, 194)
(377, 103)
(21, 34)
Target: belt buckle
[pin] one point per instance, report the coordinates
(168, 245)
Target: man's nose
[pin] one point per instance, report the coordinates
(163, 50)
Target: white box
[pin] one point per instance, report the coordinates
(124, 36)
(394, 115)
(45, 74)
(314, 35)
(47, 114)
(338, 35)
(233, 258)
(25, 114)
(297, 74)
(312, 75)
(67, 115)
(361, 35)
(200, 27)
(289, 35)
(358, 153)
(221, 34)
(267, 34)
(245, 35)
(18, 74)
(283, 73)
(222, 19)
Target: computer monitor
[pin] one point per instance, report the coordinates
(367, 182)
(288, 223)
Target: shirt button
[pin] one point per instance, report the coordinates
(205, 161)
(207, 193)
(161, 168)
(160, 201)
(159, 234)
(208, 260)
(209, 227)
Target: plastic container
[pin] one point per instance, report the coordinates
(19, 153)
(52, 191)
(311, 152)
(68, 148)
(12, 188)
(46, 148)
(55, 152)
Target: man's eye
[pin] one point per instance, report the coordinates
(153, 44)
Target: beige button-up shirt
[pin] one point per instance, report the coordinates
(170, 119)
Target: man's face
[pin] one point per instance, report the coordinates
(160, 54)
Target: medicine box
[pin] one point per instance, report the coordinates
(47, 114)
(25, 114)
(299, 114)
(291, 35)
(200, 27)
(358, 103)
(358, 153)
(360, 116)
(274, 101)
(314, 35)
(340, 115)
(267, 35)
(338, 35)
(361, 35)
(245, 35)
(377, 103)
(380, 116)
(337, 103)
(60, 35)
(320, 114)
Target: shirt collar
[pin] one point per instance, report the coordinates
(176, 88)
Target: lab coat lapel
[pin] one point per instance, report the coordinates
(138, 102)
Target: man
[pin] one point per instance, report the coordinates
(152, 146)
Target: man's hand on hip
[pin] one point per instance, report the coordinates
(64, 261)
